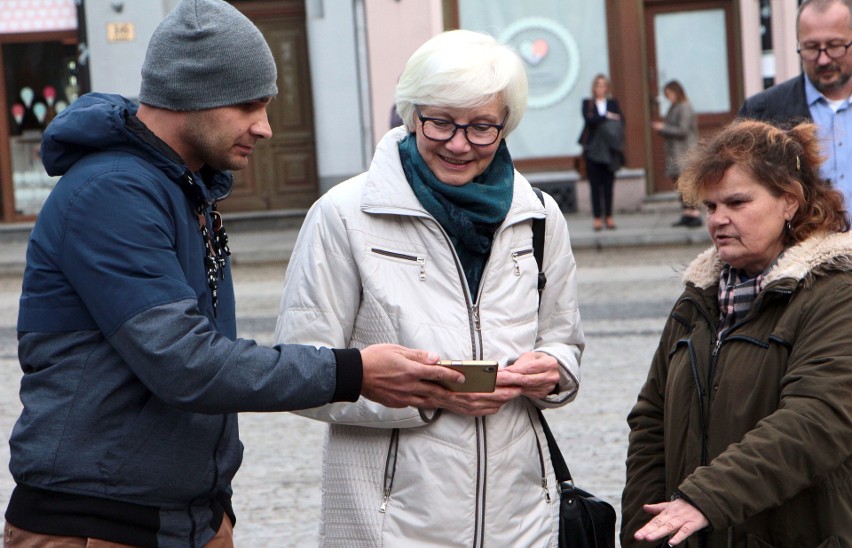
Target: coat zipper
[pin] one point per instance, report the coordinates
(711, 373)
(390, 469)
(516, 256)
(544, 485)
(393, 254)
(702, 394)
(714, 355)
(481, 472)
(476, 353)
(472, 307)
(477, 325)
(476, 349)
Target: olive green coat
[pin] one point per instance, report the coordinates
(755, 430)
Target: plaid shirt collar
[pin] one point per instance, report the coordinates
(736, 296)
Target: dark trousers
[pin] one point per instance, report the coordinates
(14, 538)
(601, 181)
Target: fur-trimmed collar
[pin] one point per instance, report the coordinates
(816, 255)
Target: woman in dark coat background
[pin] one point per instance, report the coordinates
(597, 110)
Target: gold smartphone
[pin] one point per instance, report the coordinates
(479, 375)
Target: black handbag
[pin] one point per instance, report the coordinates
(585, 521)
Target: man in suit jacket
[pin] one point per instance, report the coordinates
(822, 93)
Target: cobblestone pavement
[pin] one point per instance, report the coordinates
(625, 296)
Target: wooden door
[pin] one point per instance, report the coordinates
(694, 43)
(282, 172)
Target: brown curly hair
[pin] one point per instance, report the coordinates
(782, 160)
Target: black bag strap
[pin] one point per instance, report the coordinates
(559, 466)
(538, 225)
(538, 245)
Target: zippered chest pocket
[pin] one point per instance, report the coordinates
(414, 259)
(520, 259)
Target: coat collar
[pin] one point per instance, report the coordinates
(813, 257)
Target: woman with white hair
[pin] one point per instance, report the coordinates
(432, 247)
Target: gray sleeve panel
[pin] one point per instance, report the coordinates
(181, 357)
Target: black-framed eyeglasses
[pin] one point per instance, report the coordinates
(481, 135)
(835, 51)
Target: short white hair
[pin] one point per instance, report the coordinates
(462, 69)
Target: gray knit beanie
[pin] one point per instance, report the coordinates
(206, 54)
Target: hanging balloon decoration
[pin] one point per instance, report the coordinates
(40, 111)
(49, 93)
(27, 96)
(18, 111)
(60, 106)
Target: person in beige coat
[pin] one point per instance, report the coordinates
(433, 246)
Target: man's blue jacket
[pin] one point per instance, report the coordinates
(131, 382)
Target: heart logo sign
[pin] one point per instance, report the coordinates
(550, 55)
(534, 51)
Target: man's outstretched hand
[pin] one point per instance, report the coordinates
(397, 376)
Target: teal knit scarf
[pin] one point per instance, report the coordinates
(469, 213)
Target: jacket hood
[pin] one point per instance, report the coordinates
(98, 122)
(813, 257)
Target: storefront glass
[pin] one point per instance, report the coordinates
(564, 45)
(684, 37)
(41, 81)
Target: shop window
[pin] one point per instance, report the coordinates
(41, 81)
(563, 45)
(705, 32)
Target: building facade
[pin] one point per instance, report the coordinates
(338, 62)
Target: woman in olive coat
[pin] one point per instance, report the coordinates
(742, 433)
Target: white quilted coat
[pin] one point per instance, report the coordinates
(372, 266)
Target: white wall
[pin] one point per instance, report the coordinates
(337, 97)
(395, 29)
(787, 62)
(751, 56)
(357, 50)
(115, 67)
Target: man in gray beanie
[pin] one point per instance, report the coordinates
(133, 374)
(205, 54)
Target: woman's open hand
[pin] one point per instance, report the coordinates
(676, 519)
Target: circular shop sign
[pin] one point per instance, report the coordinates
(550, 55)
